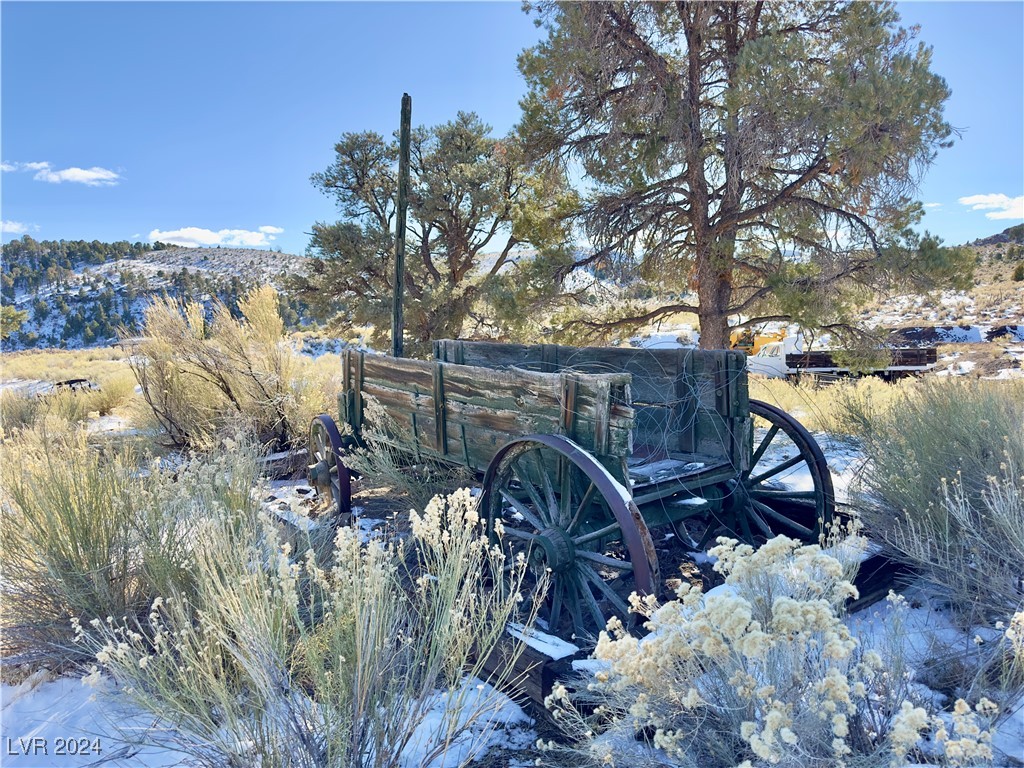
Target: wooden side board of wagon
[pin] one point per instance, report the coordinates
(590, 458)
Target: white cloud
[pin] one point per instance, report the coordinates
(196, 237)
(13, 228)
(933, 205)
(91, 177)
(999, 206)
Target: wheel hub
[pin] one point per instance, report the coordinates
(736, 498)
(319, 473)
(556, 549)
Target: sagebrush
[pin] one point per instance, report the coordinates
(207, 377)
(761, 671)
(282, 658)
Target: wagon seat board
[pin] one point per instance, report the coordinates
(464, 414)
(691, 409)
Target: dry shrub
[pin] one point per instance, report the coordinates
(759, 672)
(312, 660)
(942, 487)
(203, 379)
(84, 534)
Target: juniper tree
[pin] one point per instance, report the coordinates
(472, 207)
(752, 158)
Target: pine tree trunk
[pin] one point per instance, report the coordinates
(714, 293)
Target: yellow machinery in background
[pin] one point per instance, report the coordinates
(751, 342)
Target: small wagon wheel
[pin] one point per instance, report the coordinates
(326, 471)
(568, 516)
(787, 488)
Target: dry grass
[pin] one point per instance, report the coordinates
(822, 407)
(59, 364)
(18, 410)
(944, 475)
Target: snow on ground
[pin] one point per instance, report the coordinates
(47, 723)
(925, 632)
(958, 369)
(507, 726)
(667, 337)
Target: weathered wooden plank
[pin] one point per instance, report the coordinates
(507, 422)
(357, 390)
(400, 373)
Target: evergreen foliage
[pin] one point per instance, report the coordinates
(469, 195)
(753, 158)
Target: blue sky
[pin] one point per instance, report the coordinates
(141, 120)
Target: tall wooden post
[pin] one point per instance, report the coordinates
(397, 325)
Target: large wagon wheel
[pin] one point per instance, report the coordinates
(787, 489)
(327, 472)
(570, 518)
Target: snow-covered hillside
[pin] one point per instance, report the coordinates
(86, 307)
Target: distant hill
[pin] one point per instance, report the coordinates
(79, 293)
(1009, 235)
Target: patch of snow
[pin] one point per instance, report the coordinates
(958, 369)
(115, 424)
(551, 646)
(1006, 373)
(502, 723)
(37, 714)
(590, 666)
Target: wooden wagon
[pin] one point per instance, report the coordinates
(596, 460)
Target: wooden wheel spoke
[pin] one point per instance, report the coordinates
(759, 522)
(595, 578)
(519, 533)
(564, 494)
(608, 562)
(763, 447)
(745, 532)
(531, 491)
(608, 530)
(776, 469)
(782, 494)
(556, 605)
(582, 508)
(778, 517)
(587, 595)
(549, 491)
(574, 605)
(522, 509)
